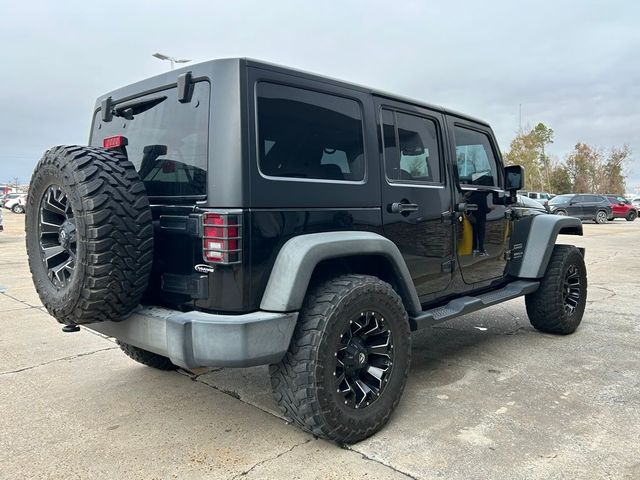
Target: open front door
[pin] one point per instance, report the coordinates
(482, 232)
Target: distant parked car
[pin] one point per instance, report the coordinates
(1, 224)
(583, 206)
(622, 208)
(541, 197)
(9, 196)
(528, 206)
(16, 204)
(636, 202)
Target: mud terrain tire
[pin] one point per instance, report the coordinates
(558, 305)
(145, 357)
(89, 234)
(305, 384)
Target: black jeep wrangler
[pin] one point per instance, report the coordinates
(237, 213)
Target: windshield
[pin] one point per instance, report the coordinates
(560, 199)
(166, 140)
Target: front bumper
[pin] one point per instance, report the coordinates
(199, 339)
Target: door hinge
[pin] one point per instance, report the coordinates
(449, 266)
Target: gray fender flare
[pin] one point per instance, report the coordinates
(533, 240)
(300, 255)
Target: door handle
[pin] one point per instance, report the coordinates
(466, 207)
(403, 207)
(450, 216)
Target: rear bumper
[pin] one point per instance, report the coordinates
(199, 339)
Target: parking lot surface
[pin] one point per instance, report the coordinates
(488, 396)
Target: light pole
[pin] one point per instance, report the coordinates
(173, 60)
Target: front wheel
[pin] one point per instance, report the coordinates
(558, 305)
(601, 217)
(562, 213)
(348, 362)
(631, 216)
(17, 208)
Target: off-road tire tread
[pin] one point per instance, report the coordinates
(147, 358)
(545, 307)
(293, 379)
(118, 233)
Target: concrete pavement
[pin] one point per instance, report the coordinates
(488, 396)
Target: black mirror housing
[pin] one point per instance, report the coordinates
(514, 178)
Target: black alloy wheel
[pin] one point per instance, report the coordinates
(571, 289)
(364, 360)
(58, 237)
(348, 360)
(558, 304)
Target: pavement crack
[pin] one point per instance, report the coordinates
(70, 357)
(379, 462)
(270, 459)
(231, 393)
(19, 301)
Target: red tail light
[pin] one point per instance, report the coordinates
(222, 238)
(116, 141)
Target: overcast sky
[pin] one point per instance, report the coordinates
(573, 65)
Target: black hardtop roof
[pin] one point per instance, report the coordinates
(354, 86)
(204, 68)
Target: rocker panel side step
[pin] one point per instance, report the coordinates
(463, 305)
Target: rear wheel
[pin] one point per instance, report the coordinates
(631, 216)
(558, 305)
(147, 358)
(346, 368)
(17, 208)
(601, 217)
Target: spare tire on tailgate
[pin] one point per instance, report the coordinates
(89, 234)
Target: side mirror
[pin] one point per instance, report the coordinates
(514, 178)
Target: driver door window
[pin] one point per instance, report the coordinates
(475, 159)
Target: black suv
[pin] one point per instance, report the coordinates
(238, 213)
(584, 206)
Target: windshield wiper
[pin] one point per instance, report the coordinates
(129, 110)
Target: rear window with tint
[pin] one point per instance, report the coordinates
(167, 140)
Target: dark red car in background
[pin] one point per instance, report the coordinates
(622, 208)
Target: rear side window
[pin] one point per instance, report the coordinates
(411, 150)
(475, 158)
(309, 135)
(167, 140)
